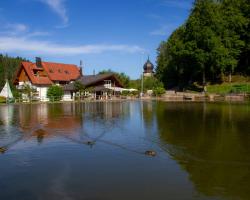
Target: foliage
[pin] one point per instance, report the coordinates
(8, 67)
(55, 93)
(79, 87)
(2, 99)
(122, 77)
(136, 84)
(149, 83)
(130, 93)
(158, 91)
(28, 90)
(212, 44)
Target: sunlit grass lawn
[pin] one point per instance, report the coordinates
(226, 88)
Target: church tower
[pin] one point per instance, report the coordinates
(148, 69)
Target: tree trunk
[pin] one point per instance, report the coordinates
(204, 80)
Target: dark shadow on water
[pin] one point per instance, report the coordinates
(212, 143)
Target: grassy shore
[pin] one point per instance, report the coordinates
(227, 88)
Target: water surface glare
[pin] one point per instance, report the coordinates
(96, 151)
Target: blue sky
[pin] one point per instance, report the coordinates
(104, 34)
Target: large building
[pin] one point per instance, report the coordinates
(148, 69)
(40, 75)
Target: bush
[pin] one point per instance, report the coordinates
(150, 83)
(2, 99)
(125, 93)
(55, 93)
(129, 93)
(158, 91)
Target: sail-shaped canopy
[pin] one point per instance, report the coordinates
(6, 91)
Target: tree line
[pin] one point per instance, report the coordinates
(8, 68)
(211, 45)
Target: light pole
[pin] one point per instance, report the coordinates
(142, 74)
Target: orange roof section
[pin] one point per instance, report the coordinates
(61, 72)
(52, 72)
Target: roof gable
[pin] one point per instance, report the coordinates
(94, 80)
(89, 80)
(30, 68)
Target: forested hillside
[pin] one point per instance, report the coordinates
(8, 67)
(212, 44)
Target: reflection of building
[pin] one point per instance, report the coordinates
(41, 75)
(45, 120)
(148, 69)
(6, 115)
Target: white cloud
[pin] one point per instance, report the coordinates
(37, 33)
(20, 30)
(59, 8)
(21, 44)
(15, 29)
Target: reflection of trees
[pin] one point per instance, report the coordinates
(211, 142)
(148, 113)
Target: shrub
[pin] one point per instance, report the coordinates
(2, 99)
(55, 93)
(158, 91)
(125, 93)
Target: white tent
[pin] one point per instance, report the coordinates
(6, 91)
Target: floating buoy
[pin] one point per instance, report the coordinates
(90, 143)
(150, 153)
(2, 149)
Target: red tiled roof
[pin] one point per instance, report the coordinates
(53, 71)
(61, 72)
(29, 67)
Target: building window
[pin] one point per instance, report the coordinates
(107, 83)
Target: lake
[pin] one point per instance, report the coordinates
(96, 151)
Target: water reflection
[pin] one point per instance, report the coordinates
(212, 143)
(77, 150)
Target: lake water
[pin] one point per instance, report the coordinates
(96, 151)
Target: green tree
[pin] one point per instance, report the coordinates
(149, 83)
(213, 42)
(55, 93)
(28, 91)
(8, 68)
(159, 91)
(79, 87)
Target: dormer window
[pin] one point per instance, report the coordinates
(66, 72)
(51, 71)
(59, 70)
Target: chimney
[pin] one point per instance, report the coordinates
(94, 72)
(39, 62)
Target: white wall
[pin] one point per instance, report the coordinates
(42, 91)
(67, 96)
